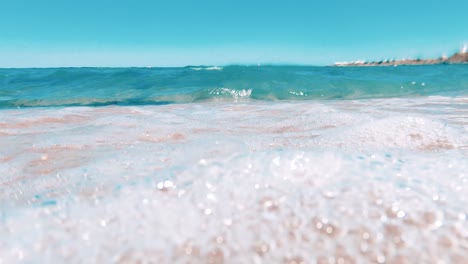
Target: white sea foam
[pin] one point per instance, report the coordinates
(344, 182)
(211, 68)
(233, 93)
(214, 68)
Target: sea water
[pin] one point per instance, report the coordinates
(234, 164)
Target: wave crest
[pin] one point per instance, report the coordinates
(231, 93)
(211, 68)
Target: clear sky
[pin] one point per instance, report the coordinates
(54, 33)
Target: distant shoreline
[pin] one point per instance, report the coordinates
(457, 58)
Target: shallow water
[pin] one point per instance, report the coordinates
(159, 86)
(317, 181)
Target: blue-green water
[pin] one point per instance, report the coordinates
(154, 86)
(258, 165)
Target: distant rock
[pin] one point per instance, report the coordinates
(457, 58)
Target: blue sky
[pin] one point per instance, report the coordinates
(54, 33)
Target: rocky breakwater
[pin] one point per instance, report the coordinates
(457, 58)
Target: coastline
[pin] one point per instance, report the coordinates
(457, 58)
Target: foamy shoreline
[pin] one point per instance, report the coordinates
(379, 180)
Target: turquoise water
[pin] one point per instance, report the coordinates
(155, 86)
(234, 165)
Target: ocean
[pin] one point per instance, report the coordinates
(234, 164)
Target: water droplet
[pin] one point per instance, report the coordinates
(462, 217)
(401, 214)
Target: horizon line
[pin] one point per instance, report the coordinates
(186, 66)
(463, 49)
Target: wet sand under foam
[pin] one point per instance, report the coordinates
(345, 182)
